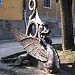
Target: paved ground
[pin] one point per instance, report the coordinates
(9, 47)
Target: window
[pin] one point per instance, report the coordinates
(0, 2)
(47, 3)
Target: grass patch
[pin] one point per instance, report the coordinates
(67, 56)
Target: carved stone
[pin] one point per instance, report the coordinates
(37, 46)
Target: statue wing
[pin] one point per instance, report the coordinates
(34, 48)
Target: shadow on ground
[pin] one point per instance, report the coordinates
(69, 67)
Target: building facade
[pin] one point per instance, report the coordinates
(13, 11)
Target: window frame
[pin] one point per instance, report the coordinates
(46, 6)
(0, 2)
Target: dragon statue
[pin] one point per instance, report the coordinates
(36, 43)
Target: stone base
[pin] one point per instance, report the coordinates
(27, 70)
